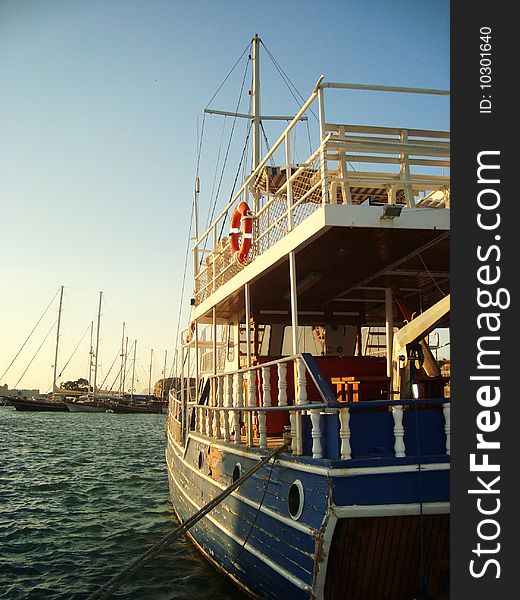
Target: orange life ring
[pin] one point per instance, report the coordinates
(241, 215)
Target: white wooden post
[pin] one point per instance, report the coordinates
(317, 450)
(282, 384)
(323, 156)
(294, 442)
(251, 397)
(220, 398)
(343, 171)
(344, 433)
(389, 313)
(399, 447)
(266, 401)
(405, 171)
(209, 419)
(239, 394)
(301, 398)
(446, 412)
(228, 402)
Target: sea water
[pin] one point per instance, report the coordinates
(82, 495)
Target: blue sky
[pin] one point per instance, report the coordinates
(100, 107)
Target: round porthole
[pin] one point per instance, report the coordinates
(201, 459)
(237, 472)
(296, 499)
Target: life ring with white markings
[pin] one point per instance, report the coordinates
(244, 217)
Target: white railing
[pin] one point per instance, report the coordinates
(235, 415)
(352, 164)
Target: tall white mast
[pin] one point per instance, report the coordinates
(150, 375)
(164, 375)
(121, 374)
(256, 100)
(97, 345)
(133, 372)
(124, 368)
(57, 342)
(90, 357)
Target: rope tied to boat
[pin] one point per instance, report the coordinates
(106, 590)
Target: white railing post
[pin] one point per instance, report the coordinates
(251, 397)
(405, 171)
(323, 154)
(218, 413)
(282, 384)
(228, 402)
(266, 401)
(317, 450)
(301, 398)
(238, 403)
(344, 433)
(446, 412)
(399, 447)
(209, 420)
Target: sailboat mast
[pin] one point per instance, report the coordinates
(133, 372)
(90, 357)
(124, 368)
(121, 374)
(97, 344)
(256, 101)
(150, 375)
(164, 375)
(57, 342)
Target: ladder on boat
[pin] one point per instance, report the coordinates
(375, 342)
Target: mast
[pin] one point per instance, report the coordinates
(124, 368)
(97, 345)
(164, 375)
(90, 357)
(256, 100)
(121, 374)
(57, 342)
(133, 372)
(150, 374)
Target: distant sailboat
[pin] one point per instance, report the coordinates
(95, 403)
(43, 403)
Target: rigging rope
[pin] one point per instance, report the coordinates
(288, 82)
(73, 352)
(106, 590)
(28, 337)
(35, 354)
(229, 145)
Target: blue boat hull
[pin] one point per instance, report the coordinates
(253, 538)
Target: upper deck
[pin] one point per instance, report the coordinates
(368, 209)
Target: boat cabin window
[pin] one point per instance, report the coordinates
(322, 340)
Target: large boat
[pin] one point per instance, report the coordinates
(308, 339)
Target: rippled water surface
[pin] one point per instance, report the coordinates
(81, 496)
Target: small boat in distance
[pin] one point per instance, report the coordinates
(342, 456)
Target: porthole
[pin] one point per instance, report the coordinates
(296, 500)
(237, 472)
(201, 459)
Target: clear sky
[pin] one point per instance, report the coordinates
(100, 107)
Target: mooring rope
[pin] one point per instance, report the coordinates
(106, 590)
